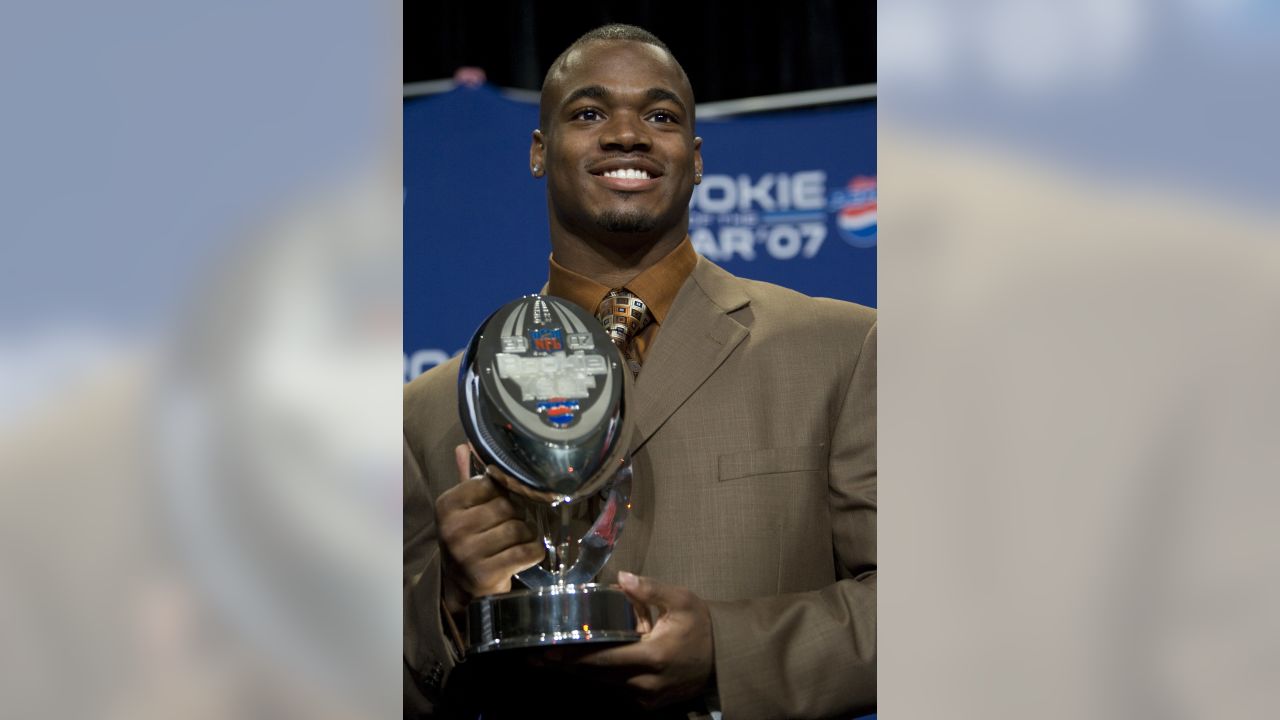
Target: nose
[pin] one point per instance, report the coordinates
(625, 132)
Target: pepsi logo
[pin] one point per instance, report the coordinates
(855, 208)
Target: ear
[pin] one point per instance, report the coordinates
(537, 155)
(697, 160)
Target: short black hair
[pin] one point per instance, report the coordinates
(614, 31)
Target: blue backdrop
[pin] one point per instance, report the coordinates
(785, 197)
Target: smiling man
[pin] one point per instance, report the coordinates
(752, 536)
(619, 155)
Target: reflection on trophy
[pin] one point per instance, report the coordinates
(542, 392)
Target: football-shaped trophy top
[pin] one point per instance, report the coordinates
(542, 392)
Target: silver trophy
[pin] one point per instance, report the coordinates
(542, 393)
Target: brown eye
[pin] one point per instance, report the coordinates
(663, 116)
(587, 114)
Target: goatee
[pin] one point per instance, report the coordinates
(619, 221)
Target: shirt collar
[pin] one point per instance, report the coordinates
(657, 286)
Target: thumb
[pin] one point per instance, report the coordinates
(646, 591)
(462, 458)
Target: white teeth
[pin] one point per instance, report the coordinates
(628, 174)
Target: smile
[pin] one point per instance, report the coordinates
(627, 179)
(627, 174)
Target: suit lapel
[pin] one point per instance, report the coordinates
(698, 336)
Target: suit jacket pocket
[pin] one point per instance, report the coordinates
(769, 461)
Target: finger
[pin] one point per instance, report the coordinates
(469, 493)
(644, 618)
(493, 511)
(516, 487)
(613, 676)
(647, 690)
(644, 684)
(498, 474)
(643, 615)
(514, 559)
(648, 592)
(495, 540)
(475, 533)
(462, 458)
(459, 524)
(492, 575)
(600, 675)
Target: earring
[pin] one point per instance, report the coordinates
(537, 170)
(697, 177)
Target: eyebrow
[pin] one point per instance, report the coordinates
(599, 92)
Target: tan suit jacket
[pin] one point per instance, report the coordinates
(755, 487)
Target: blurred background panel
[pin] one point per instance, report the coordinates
(199, 344)
(1080, 280)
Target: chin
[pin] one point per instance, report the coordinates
(626, 222)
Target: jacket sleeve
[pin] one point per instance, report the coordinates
(428, 655)
(813, 654)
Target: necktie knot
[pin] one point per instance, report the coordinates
(624, 315)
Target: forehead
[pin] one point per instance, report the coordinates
(620, 66)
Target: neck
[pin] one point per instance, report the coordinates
(614, 260)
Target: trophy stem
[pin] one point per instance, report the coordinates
(562, 545)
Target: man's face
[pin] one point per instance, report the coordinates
(617, 144)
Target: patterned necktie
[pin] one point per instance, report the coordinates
(624, 315)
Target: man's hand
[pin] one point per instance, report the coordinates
(485, 541)
(674, 659)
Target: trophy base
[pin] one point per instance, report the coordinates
(554, 615)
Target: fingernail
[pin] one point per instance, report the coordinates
(626, 579)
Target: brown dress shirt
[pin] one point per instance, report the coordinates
(656, 286)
